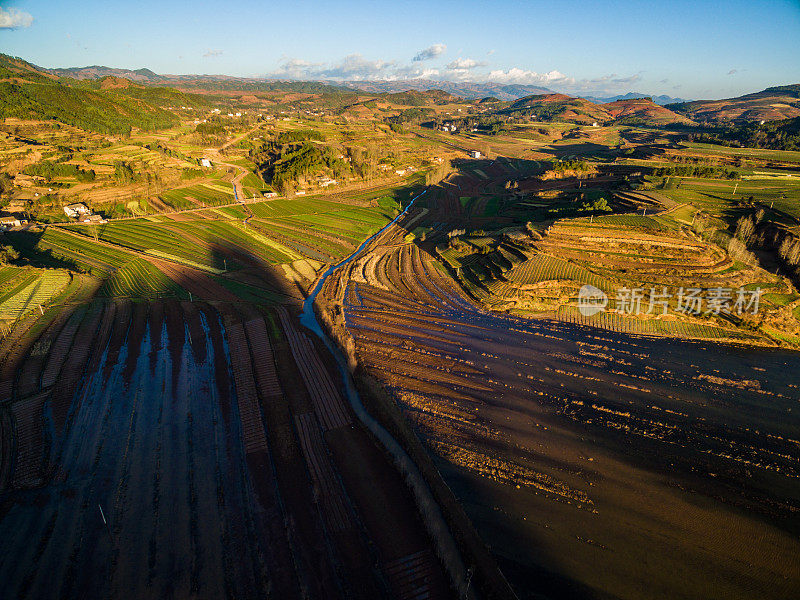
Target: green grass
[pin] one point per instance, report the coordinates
(32, 293)
(139, 279)
(543, 267)
(198, 195)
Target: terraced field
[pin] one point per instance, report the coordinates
(589, 444)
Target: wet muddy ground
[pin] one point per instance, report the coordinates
(180, 450)
(594, 464)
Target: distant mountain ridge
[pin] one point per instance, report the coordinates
(661, 100)
(463, 89)
(99, 71)
(17, 77)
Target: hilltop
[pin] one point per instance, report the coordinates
(98, 72)
(557, 106)
(643, 111)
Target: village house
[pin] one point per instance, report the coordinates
(78, 209)
(326, 181)
(8, 222)
(204, 162)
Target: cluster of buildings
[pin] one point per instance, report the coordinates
(82, 213)
(10, 221)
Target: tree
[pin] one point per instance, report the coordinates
(745, 227)
(8, 254)
(6, 184)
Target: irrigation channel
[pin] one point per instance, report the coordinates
(429, 509)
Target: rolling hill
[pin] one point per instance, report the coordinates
(110, 105)
(771, 104)
(640, 111)
(558, 106)
(643, 111)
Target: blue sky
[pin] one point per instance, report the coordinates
(689, 49)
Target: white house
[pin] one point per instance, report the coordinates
(205, 163)
(76, 210)
(475, 154)
(9, 222)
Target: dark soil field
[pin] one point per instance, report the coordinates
(594, 464)
(217, 448)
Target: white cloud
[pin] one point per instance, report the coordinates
(352, 67)
(464, 64)
(12, 18)
(212, 53)
(430, 52)
(357, 67)
(521, 76)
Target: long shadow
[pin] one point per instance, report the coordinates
(698, 381)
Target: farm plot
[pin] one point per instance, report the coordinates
(170, 475)
(139, 279)
(543, 267)
(32, 293)
(153, 238)
(198, 195)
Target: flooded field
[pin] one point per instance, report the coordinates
(154, 453)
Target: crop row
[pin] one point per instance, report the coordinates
(328, 403)
(203, 194)
(543, 267)
(40, 291)
(615, 322)
(138, 279)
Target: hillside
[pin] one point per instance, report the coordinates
(643, 111)
(558, 106)
(771, 104)
(110, 105)
(14, 70)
